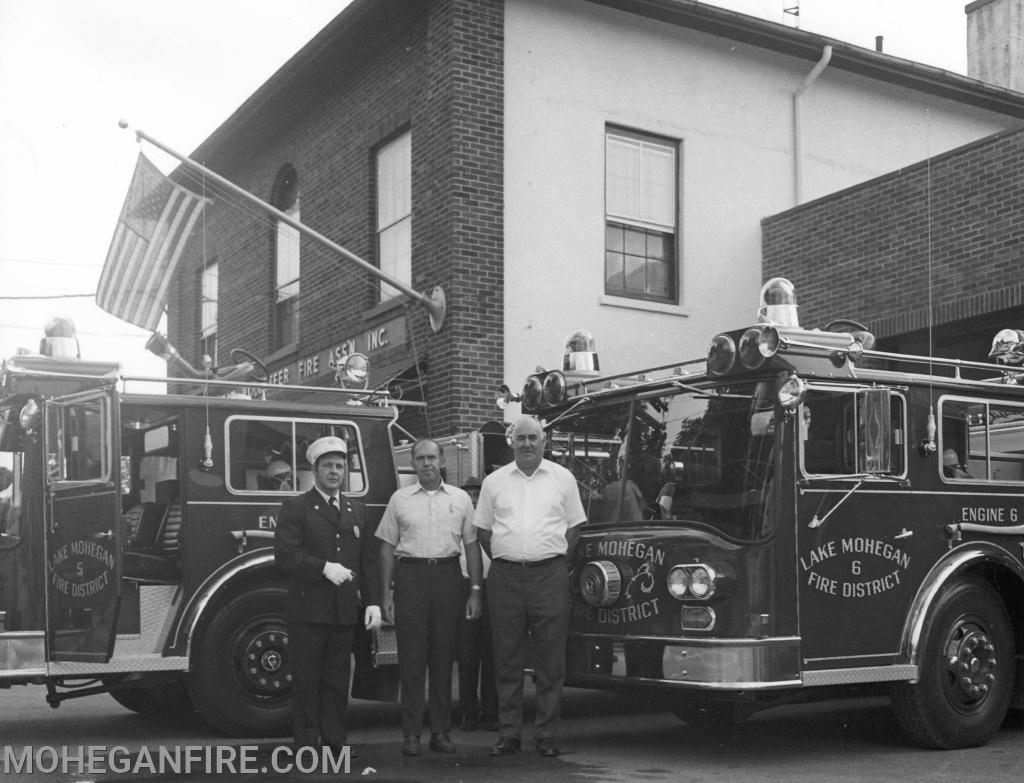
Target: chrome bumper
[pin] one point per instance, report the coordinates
(704, 664)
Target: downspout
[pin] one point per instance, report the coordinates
(798, 142)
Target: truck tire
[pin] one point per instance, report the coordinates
(965, 671)
(241, 682)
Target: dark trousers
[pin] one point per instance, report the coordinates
(427, 611)
(478, 693)
(529, 605)
(321, 667)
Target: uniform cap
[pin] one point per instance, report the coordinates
(950, 458)
(328, 445)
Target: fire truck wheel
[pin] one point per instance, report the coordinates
(966, 671)
(241, 684)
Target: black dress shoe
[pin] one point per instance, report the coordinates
(411, 746)
(469, 723)
(505, 746)
(546, 747)
(441, 743)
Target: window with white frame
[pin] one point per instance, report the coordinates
(208, 311)
(641, 209)
(394, 212)
(285, 197)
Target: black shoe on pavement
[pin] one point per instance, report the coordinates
(505, 746)
(441, 743)
(546, 747)
(411, 746)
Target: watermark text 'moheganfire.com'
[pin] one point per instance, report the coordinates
(171, 760)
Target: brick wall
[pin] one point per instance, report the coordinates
(945, 237)
(434, 68)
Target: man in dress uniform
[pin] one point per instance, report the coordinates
(332, 571)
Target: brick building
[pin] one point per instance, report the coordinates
(928, 257)
(550, 165)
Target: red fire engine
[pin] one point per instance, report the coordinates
(795, 515)
(135, 539)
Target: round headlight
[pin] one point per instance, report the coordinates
(554, 388)
(721, 354)
(750, 349)
(791, 391)
(677, 580)
(532, 391)
(600, 583)
(702, 582)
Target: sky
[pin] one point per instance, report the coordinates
(69, 70)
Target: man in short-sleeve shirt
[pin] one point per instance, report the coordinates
(423, 531)
(527, 519)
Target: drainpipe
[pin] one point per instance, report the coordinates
(798, 142)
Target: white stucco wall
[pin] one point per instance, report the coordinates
(573, 67)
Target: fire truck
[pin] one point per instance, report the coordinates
(136, 537)
(795, 516)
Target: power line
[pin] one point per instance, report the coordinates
(50, 296)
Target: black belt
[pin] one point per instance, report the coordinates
(429, 560)
(527, 563)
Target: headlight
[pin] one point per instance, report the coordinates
(757, 344)
(721, 354)
(554, 388)
(532, 391)
(698, 581)
(678, 580)
(702, 582)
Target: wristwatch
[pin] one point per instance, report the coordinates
(475, 587)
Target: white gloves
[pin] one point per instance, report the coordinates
(337, 573)
(372, 618)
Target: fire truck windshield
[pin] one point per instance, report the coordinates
(675, 457)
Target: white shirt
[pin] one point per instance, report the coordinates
(529, 516)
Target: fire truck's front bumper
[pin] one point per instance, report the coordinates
(22, 656)
(687, 664)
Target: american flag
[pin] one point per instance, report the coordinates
(156, 221)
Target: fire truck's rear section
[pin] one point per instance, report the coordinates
(136, 537)
(794, 516)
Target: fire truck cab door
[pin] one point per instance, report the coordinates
(82, 517)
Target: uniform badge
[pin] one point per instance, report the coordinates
(355, 530)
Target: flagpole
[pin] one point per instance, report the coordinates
(435, 304)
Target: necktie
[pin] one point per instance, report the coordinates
(333, 503)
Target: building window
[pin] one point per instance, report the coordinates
(208, 311)
(394, 212)
(287, 267)
(641, 217)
